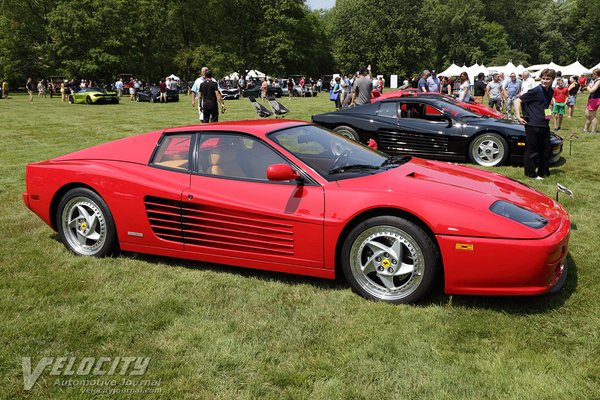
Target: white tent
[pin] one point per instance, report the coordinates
(453, 70)
(254, 73)
(575, 69)
(519, 69)
(595, 66)
(537, 67)
(172, 76)
(232, 77)
(474, 70)
(554, 66)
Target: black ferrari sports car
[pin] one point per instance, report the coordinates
(152, 95)
(433, 128)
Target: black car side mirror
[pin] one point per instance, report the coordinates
(448, 119)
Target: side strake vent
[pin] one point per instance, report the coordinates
(210, 226)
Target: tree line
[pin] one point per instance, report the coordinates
(98, 39)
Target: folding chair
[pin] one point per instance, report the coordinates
(279, 109)
(259, 108)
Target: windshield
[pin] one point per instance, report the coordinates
(332, 156)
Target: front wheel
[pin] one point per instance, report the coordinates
(488, 150)
(88, 100)
(389, 259)
(85, 224)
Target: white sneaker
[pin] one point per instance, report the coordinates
(539, 178)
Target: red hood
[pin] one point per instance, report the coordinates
(473, 190)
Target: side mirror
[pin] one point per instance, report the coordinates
(448, 119)
(282, 172)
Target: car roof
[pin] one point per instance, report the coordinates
(258, 127)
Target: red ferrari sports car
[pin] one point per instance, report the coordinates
(292, 197)
(477, 108)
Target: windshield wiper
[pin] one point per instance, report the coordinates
(396, 160)
(353, 166)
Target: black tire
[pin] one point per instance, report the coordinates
(88, 100)
(85, 224)
(151, 99)
(71, 99)
(488, 150)
(405, 269)
(347, 132)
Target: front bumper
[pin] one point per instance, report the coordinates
(505, 267)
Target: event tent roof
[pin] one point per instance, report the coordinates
(575, 69)
(453, 70)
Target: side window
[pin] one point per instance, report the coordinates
(388, 110)
(173, 152)
(235, 156)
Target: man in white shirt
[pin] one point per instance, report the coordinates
(196, 92)
(528, 83)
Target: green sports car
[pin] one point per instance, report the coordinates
(93, 95)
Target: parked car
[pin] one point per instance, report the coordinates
(433, 127)
(93, 95)
(152, 94)
(477, 108)
(274, 195)
(228, 91)
(254, 91)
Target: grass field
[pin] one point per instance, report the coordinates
(215, 332)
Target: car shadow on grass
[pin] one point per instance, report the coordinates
(517, 305)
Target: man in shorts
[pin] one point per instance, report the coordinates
(494, 92)
(560, 103)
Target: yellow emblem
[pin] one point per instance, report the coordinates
(385, 263)
(83, 226)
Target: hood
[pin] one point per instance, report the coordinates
(137, 149)
(468, 191)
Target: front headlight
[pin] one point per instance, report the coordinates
(519, 214)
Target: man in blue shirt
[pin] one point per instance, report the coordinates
(422, 85)
(511, 88)
(433, 83)
(536, 104)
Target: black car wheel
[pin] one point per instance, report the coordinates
(347, 132)
(389, 259)
(88, 100)
(488, 150)
(85, 224)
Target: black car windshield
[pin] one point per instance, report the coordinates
(451, 107)
(333, 156)
(92, 89)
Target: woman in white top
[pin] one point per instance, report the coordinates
(464, 88)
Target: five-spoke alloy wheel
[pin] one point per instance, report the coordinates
(85, 224)
(389, 259)
(488, 150)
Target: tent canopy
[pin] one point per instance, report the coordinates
(172, 76)
(453, 70)
(254, 73)
(575, 69)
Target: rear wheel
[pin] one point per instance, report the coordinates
(347, 132)
(85, 224)
(488, 150)
(390, 259)
(88, 100)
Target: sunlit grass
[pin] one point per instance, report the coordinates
(231, 333)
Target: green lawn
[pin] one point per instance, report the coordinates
(215, 332)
